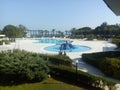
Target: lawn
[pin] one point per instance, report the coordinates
(48, 84)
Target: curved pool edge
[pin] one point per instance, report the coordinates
(77, 48)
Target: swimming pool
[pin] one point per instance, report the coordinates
(50, 41)
(57, 44)
(77, 48)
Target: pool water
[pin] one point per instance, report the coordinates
(56, 47)
(77, 48)
(50, 41)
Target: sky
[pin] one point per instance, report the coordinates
(55, 14)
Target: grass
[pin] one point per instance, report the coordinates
(48, 84)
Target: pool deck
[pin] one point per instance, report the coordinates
(96, 46)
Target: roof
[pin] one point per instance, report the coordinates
(1, 35)
(114, 5)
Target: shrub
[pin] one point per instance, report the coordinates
(69, 74)
(57, 59)
(6, 41)
(116, 41)
(21, 66)
(60, 60)
(108, 62)
(111, 67)
(1, 43)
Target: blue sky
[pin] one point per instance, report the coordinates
(55, 14)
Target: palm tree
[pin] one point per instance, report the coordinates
(45, 31)
(53, 32)
(73, 31)
(59, 32)
(41, 31)
(66, 32)
(56, 34)
(48, 33)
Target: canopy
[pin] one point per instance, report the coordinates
(114, 5)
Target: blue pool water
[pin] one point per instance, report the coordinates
(50, 41)
(56, 47)
(77, 48)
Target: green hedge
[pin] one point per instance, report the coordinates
(5, 41)
(116, 41)
(21, 66)
(25, 66)
(57, 59)
(108, 62)
(1, 43)
(69, 74)
(111, 67)
(60, 60)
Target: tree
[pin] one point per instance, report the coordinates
(53, 32)
(73, 31)
(0, 31)
(66, 32)
(84, 31)
(81, 32)
(21, 66)
(23, 30)
(107, 31)
(58, 33)
(11, 32)
(41, 31)
(46, 32)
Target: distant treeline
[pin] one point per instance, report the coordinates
(103, 31)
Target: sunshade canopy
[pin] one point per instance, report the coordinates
(114, 5)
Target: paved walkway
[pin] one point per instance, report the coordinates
(83, 66)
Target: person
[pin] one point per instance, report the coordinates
(64, 53)
(60, 53)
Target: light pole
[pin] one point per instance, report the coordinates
(76, 70)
